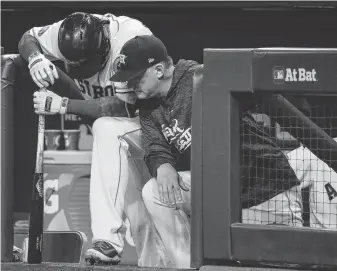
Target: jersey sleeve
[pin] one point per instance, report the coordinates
(128, 29)
(47, 36)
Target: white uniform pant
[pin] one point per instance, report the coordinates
(173, 224)
(322, 181)
(115, 191)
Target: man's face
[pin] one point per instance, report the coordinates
(145, 85)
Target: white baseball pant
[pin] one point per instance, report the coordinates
(173, 224)
(115, 189)
(322, 180)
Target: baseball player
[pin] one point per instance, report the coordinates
(322, 180)
(89, 46)
(167, 138)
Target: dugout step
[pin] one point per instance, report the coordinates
(82, 267)
(231, 268)
(75, 267)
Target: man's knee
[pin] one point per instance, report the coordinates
(109, 126)
(150, 190)
(100, 124)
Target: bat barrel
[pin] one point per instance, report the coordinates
(37, 204)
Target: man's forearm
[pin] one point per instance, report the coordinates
(155, 159)
(102, 107)
(28, 45)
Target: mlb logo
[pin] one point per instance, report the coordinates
(278, 75)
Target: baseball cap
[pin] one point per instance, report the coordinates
(136, 56)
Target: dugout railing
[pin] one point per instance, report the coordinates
(228, 79)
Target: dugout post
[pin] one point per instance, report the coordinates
(197, 252)
(8, 69)
(220, 158)
(229, 75)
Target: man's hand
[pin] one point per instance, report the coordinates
(49, 103)
(169, 185)
(42, 71)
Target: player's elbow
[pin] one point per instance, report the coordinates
(27, 44)
(22, 42)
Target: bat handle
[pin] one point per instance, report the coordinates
(62, 122)
(40, 141)
(40, 144)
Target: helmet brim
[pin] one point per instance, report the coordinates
(87, 69)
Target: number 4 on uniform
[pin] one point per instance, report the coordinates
(332, 193)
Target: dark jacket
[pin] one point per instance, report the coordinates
(265, 170)
(166, 125)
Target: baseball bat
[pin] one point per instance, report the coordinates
(303, 129)
(37, 205)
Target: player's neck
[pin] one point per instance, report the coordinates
(165, 83)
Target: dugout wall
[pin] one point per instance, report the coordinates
(229, 77)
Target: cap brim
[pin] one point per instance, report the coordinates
(124, 76)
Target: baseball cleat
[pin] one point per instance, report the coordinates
(102, 252)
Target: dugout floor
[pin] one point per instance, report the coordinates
(77, 267)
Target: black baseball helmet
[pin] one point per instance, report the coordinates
(84, 43)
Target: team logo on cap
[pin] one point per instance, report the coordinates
(119, 62)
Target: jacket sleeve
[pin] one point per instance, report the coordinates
(157, 149)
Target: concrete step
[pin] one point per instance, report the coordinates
(84, 267)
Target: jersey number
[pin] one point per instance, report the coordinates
(331, 192)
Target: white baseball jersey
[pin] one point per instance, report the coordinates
(121, 29)
(322, 180)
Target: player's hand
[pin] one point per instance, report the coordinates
(42, 71)
(169, 185)
(49, 103)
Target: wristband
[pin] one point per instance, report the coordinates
(35, 54)
(34, 59)
(64, 105)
